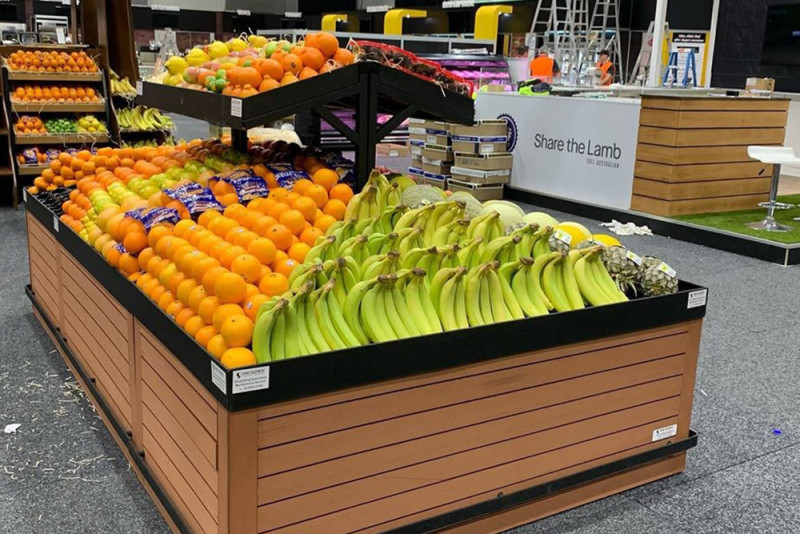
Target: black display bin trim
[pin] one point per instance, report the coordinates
(752, 247)
(324, 373)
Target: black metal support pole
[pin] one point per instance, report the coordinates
(239, 139)
(366, 126)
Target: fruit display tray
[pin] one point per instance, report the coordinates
(17, 75)
(56, 107)
(476, 430)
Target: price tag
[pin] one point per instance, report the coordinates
(487, 148)
(250, 379)
(236, 107)
(24, 195)
(664, 268)
(55, 223)
(139, 88)
(697, 298)
(218, 377)
(665, 432)
(634, 257)
(562, 236)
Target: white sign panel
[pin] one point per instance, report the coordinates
(682, 43)
(574, 148)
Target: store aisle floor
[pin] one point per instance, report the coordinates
(62, 472)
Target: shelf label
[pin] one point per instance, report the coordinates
(236, 107)
(697, 299)
(218, 377)
(250, 379)
(665, 432)
(243, 12)
(139, 88)
(24, 195)
(55, 223)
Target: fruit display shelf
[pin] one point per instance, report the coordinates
(57, 107)
(491, 426)
(367, 87)
(61, 139)
(31, 170)
(16, 76)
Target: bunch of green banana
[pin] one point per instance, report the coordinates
(541, 245)
(448, 296)
(594, 282)
(324, 248)
(275, 334)
(353, 309)
(419, 303)
(470, 254)
(389, 217)
(345, 272)
(487, 226)
(365, 204)
(356, 247)
(417, 256)
(409, 238)
(524, 280)
(329, 312)
(377, 179)
(528, 236)
(443, 214)
(382, 264)
(305, 273)
(391, 195)
(143, 119)
(415, 218)
(559, 283)
(489, 298)
(122, 87)
(383, 309)
(502, 249)
(452, 232)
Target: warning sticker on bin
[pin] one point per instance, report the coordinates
(665, 432)
(697, 299)
(250, 379)
(218, 377)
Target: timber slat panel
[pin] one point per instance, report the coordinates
(157, 389)
(703, 205)
(700, 173)
(43, 243)
(443, 444)
(692, 155)
(42, 250)
(573, 445)
(703, 137)
(48, 296)
(108, 329)
(691, 190)
(382, 434)
(719, 119)
(116, 313)
(346, 415)
(714, 104)
(389, 386)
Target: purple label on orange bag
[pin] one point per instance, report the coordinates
(149, 217)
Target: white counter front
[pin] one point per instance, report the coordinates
(576, 148)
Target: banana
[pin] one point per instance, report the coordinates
(500, 310)
(571, 288)
(337, 319)
(485, 296)
(420, 305)
(384, 323)
(461, 318)
(291, 337)
(352, 309)
(589, 287)
(395, 318)
(447, 304)
(277, 342)
(323, 316)
(535, 279)
(389, 242)
(519, 285)
(304, 339)
(377, 179)
(308, 274)
(262, 332)
(495, 228)
(390, 195)
(472, 295)
(321, 249)
(438, 281)
(480, 226)
(541, 246)
(510, 300)
(470, 254)
(449, 255)
(411, 239)
(355, 247)
(553, 284)
(603, 278)
(499, 249)
(508, 270)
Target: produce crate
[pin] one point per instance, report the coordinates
(476, 430)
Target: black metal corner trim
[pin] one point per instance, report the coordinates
(526, 496)
(100, 403)
(701, 235)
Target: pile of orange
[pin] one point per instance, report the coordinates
(55, 93)
(52, 61)
(29, 125)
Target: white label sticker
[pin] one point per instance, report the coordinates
(635, 257)
(236, 107)
(55, 223)
(218, 377)
(562, 236)
(250, 379)
(139, 88)
(24, 195)
(665, 432)
(416, 150)
(431, 139)
(697, 299)
(487, 148)
(664, 268)
(393, 153)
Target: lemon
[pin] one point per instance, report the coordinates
(607, 240)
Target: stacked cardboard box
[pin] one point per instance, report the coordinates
(431, 153)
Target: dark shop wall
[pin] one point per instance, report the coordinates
(740, 42)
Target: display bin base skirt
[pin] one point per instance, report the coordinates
(477, 448)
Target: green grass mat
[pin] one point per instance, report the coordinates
(736, 221)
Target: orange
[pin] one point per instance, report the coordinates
(335, 208)
(285, 267)
(143, 279)
(204, 335)
(128, 264)
(222, 225)
(185, 289)
(199, 269)
(274, 284)
(235, 211)
(231, 236)
(193, 324)
(252, 289)
(250, 219)
(237, 331)
(301, 185)
(135, 242)
(244, 238)
(144, 257)
(150, 286)
(264, 205)
(162, 244)
(293, 220)
(291, 197)
(263, 249)
(341, 192)
(208, 242)
(312, 58)
(174, 308)
(280, 235)
(176, 280)
(207, 308)
(344, 57)
(277, 209)
(318, 194)
(278, 194)
(216, 346)
(181, 227)
(218, 248)
(326, 178)
(199, 235)
(230, 254)
(183, 316)
(165, 299)
(207, 216)
(252, 305)
(238, 357)
(247, 266)
(187, 262)
(196, 296)
(306, 206)
(292, 63)
(298, 252)
(223, 312)
(309, 237)
(230, 287)
(263, 224)
(327, 43)
(324, 222)
(209, 279)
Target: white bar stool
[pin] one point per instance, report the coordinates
(776, 156)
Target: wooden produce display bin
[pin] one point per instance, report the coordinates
(692, 153)
(477, 430)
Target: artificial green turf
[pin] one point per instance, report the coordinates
(736, 221)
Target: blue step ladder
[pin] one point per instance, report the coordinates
(672, 70)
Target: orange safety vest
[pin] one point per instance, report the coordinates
(542, 68)
(605, 67)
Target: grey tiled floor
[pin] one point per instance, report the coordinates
(62, 472)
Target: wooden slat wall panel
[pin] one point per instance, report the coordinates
(116, 314)
(719, 119)
(692, 155)
(693, 190)
(714, 104)
(43, 253)
(346, 415)
(687, 207)
(700, 173)
(711, 137)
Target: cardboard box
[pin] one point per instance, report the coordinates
(475, 176)
(416, 173)
(760, 85)
(436, 166)
(485, 162)
(392, 150)
(416, 147)
(438, 126)
(481, 192)
(438, 152)
(436, 137)
(479, 144)
(484, 128)
(417, 134)
(416, 161)
(436, 180)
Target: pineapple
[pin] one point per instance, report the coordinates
(657, 278)
(623, 266)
